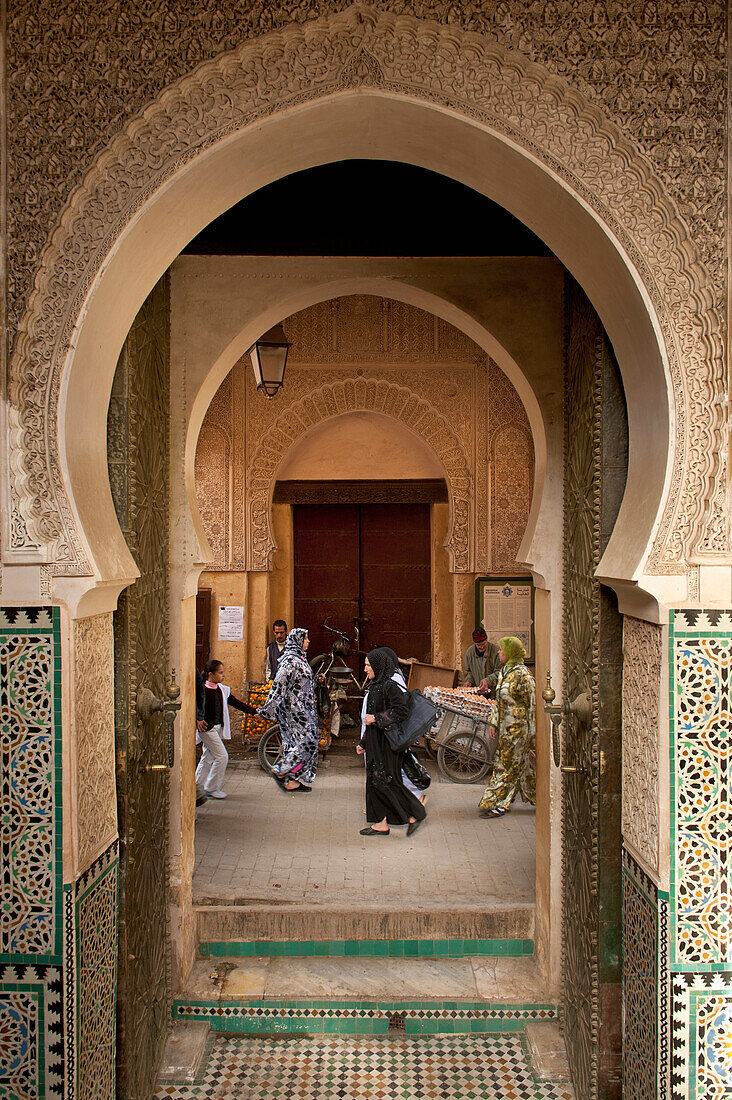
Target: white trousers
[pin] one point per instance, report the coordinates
(212, 765)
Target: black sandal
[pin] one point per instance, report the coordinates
(368, 831)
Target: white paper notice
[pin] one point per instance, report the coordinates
(231, 624)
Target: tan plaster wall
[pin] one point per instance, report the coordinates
(443, 648)
(281, 587)
(548, 803)
(360, 445)
(229, 589)
(183, 801)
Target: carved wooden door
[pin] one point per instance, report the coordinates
(595, 472)
(138, 451)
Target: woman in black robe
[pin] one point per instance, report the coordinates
(388, 802)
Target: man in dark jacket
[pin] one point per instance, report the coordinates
(274, 649)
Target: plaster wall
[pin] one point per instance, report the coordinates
(356, 446)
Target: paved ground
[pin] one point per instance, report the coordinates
(262, 845)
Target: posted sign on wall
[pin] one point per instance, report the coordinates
(231, 624)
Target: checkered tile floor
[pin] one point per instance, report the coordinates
(441, 1067)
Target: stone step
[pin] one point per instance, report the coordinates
(232, 920)
(366, 995)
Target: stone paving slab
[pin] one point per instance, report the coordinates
(262, 846)
(467, 979)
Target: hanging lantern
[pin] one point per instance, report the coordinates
(269, 359)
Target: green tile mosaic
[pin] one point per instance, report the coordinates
(370, 948)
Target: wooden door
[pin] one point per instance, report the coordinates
(364, 560)
(203, 627)
(326, 559)
(395, 584)
(138, 454)
(595, 471)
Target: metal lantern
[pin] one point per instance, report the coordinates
(269, 359)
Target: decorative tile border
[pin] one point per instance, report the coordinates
(362, 1017)
(701, 1036)
(30, 785)
(95, 894)
(640, 983)
(442, 949)
(700, 718)
(31, 1050)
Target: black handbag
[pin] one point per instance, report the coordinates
(415, 771)
(421, 718)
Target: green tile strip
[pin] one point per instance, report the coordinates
(361, 1017)
(443, 949)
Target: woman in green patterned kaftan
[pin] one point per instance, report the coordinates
(513, 771)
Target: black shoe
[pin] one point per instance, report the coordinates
(374, 832)
(412, 827)
(200, 799)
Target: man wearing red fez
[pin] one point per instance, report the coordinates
(482, 663)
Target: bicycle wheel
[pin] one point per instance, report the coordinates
(464, 757)
(269, 749)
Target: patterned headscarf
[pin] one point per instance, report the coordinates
(293, 653)
(513, 649)
(384, 663)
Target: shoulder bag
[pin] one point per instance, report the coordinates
(421, 718)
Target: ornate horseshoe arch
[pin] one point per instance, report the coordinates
(357, 50)
(359, 395)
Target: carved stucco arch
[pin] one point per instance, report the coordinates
(360, 395)
(540, 115)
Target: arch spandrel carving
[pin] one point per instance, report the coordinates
(401, 56)
(359, 395)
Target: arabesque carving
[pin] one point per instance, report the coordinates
(400, 346)
(641, 691)
(358, 395)
(94, 720)
(498, 87)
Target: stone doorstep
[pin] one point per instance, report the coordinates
(475, 980)
(547, 1049)
(183, 1052)
(221, 920)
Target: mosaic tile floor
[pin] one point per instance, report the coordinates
(449, 1067)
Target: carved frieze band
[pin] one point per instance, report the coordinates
(96, 796)
(552, 121)
(641, 694)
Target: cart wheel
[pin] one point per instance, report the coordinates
(429, 747)
(269, 750)
(456, 764)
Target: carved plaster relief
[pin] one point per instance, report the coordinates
(94, 716)
(422, 372)
(484, 79)
(641, 692)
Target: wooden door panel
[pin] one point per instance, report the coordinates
(396, 577)
(326, 559)
(372, 557)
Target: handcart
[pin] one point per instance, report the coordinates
(460, 734)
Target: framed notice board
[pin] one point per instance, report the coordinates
(505, 605)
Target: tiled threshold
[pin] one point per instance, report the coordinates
(365, 996)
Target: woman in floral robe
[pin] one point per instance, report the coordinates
(513, 772)
(291, 703)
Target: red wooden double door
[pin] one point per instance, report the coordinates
(367, 561)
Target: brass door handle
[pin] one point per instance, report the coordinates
(147, 704)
